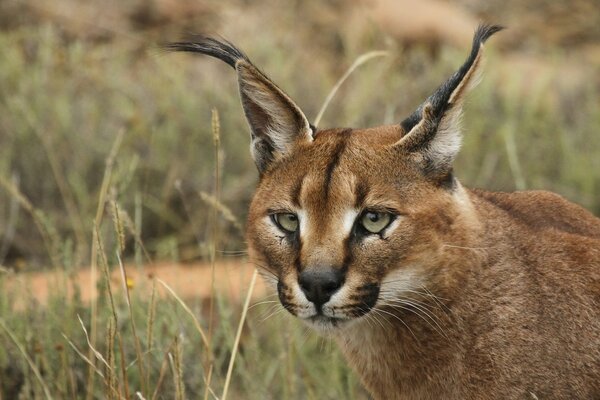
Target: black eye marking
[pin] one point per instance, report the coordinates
(373, 222)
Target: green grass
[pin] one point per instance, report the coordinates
(63, 105)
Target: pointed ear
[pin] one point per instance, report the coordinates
(432, 133)
(276, 122)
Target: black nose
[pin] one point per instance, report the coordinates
(319, 284)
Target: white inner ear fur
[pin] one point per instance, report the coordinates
(282, 111)
(444, 147)
(448, 139)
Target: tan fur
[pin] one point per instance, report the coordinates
(465, 294)
(517, 278)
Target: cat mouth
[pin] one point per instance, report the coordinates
(324, 323)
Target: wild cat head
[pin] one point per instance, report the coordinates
(345, 220)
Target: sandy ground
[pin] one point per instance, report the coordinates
(232, 278)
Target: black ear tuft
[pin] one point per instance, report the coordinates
(432, 133)
(276, 123)
(483, 32)
(221, 49)
(440, 100)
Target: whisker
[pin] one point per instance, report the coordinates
(263, 302)
(401, 303)
(367, 316)
(437, 298)
(379, 310)
(374, 316)
(273, 314)
(465, 247)
(263, 268)
(270, 310)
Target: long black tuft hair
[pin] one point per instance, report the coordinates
(221, 49)
(439, 100)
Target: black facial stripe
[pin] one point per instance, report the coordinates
(297, 190)
(348, 256)
(285, 298)
(335, 159)
(367, 287)
(360, 193)
(298, 263)
(270, 262)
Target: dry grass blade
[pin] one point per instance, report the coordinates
(83, 357)
(357, 63)
(208, 390)
(150, 327)
(36, 372)
(118, 225)
(513, 158)
(123, 369)
(188, 310)
(10, 228)
(104, 261)
(64, 188)
(238, 335)
(216, 130)
(225, 211)
(161, 374)
(96, 353)
(106, 179)
(136, 339)
(134, 230)
(38, 216)
(111, 381)
(216, 127)
(175, 360)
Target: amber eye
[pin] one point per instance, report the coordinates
(375, 222)
(286, 221)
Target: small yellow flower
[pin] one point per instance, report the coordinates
(130, 283)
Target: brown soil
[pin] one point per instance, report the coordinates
(232, 278)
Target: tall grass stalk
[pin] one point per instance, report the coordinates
(238, 335)
(30, 362)
(106, 179)
(65, 190)
(360, 60)
(138, 347)
(187, 310)
(39, 218)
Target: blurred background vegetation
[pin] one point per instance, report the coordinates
(79, 78)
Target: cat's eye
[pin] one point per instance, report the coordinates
(288, 222)
(375, 221)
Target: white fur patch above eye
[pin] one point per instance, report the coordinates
(348, 220)
(392, 227)
(272, 226)
(303, 221)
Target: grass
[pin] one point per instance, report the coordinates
(113, 152)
